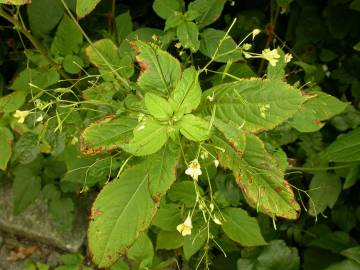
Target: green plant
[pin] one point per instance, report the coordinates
(180, 147)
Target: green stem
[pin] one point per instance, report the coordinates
(315, 169)
(37, 45)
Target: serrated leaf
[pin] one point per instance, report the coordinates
(158, 107)
(319, 108)
(124, 205)
(84, 7)
(149, 137)
(210, 11)
(68, 38)
(262, 182)
(232, 140)
(254, 104)
(105, 55)
(162, 168)
(160, 71)
(324, 190)
(167, 8)
(241, 228)
(6, 140)
(187, 94)
(107, 134)
(344, 149)
(188, 34)
(194, 128)
(210, 46)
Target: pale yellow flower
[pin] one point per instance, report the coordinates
(255, 32)
(21, 115)
(185, 228)
(271, 55)
(194, 169)
(216, 220)
(288, 57)
(216, 163)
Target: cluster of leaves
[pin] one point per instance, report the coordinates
(125, 116)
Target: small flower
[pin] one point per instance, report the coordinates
(194, 169)
(177, 45)
(21, 115)
(271, 55)
(255, 32)
(216, 220)
(246, 46)
(40, 118)
(210, 98)
(288, 57)
(247, 55)
(185, 228)
(211, 207)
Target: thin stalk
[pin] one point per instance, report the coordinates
(315, 169)
(34, 41)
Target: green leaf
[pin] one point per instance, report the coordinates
(6, 140)
(72, 64)
(324, 191)
(103, 92)
(194, 242)
(274, 256)
(209, 10)
(15, 2)
(158, 107)
(167, 8)
(352, 177)
(352, 253)
(107, 134)
(254, 104)
(284, 3)
(26, 148)
(31, 80)
(319, 108)
(105, 55)
(194, 128)
(238, 226)
(124, 205)
(26, 187)
(12, 102)
(68, 38)
(124, 26)
(84, 7)
(44, 15)
(142, 251)
(336, 241)
(162, 169)
(167, 217)
(62, 211)
(169, 240)
(210, 46)
(262, 182)
(344, 149)
(187, 94)
(188, 34)
(232, 140)
(174, 21)
(149, 136)
(183, 192)
(160, 71)
(346, 264)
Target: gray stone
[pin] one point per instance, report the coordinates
(36, 223)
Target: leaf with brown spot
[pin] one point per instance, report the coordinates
(160, 71)
(263, 186)
(107, 134)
